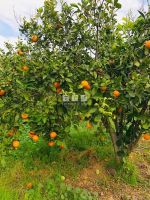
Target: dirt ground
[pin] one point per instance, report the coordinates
(98, 178)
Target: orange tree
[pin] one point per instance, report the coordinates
(79, 50)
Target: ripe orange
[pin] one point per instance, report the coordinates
(84, 83)
(147, 44)
(57, 85)
(59, 90)
(16, 144)
(146, 136)
(20, 52)
(24, 116)
(88, 87)
(51, 144)
(89, 125)
(31, 134)
(34, 38)
(29, 186)
(25, 68)
(103, 88)
(35, 138)
(53, 135)
(116, 93)
(2, 92)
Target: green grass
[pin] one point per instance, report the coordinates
(50, 186)
(128, 172)
(7, 194)
(49, 169)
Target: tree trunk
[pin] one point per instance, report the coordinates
(116, 149)
(113, 136)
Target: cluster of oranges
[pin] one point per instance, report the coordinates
(34, 136)
(34, 38)
(52, 135)
(58, 87)
(85, 84)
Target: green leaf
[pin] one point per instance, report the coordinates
(92, 110)
(40, 10)
(142, 14)
(118, 5)
(146, 126)
(106, 113)
(112, 124)
(109, 1)
(136, 63)
(131, 94)
(1, 104)
(74, 5)
(97, 119)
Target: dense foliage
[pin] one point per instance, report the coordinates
(61, 49)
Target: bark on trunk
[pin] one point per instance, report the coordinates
(116, 149)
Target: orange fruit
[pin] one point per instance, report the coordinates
(147, 44)
(89, 125)
(10, 133)
(59, 90)
(146, 136)
(2, 92)
(57, 85)
(35, 138)
(29, 185)
(51, 144)
(103, 88)
(24, 116)
(84, 83)
(120, 110)
(31, 134)
(87, 87)
(53, 135)
(34, 38)
(16, 144)
(25, 68)
(20, 52)
(116, 93)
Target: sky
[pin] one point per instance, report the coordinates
(12, 11)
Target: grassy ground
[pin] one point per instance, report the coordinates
(84, 173)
